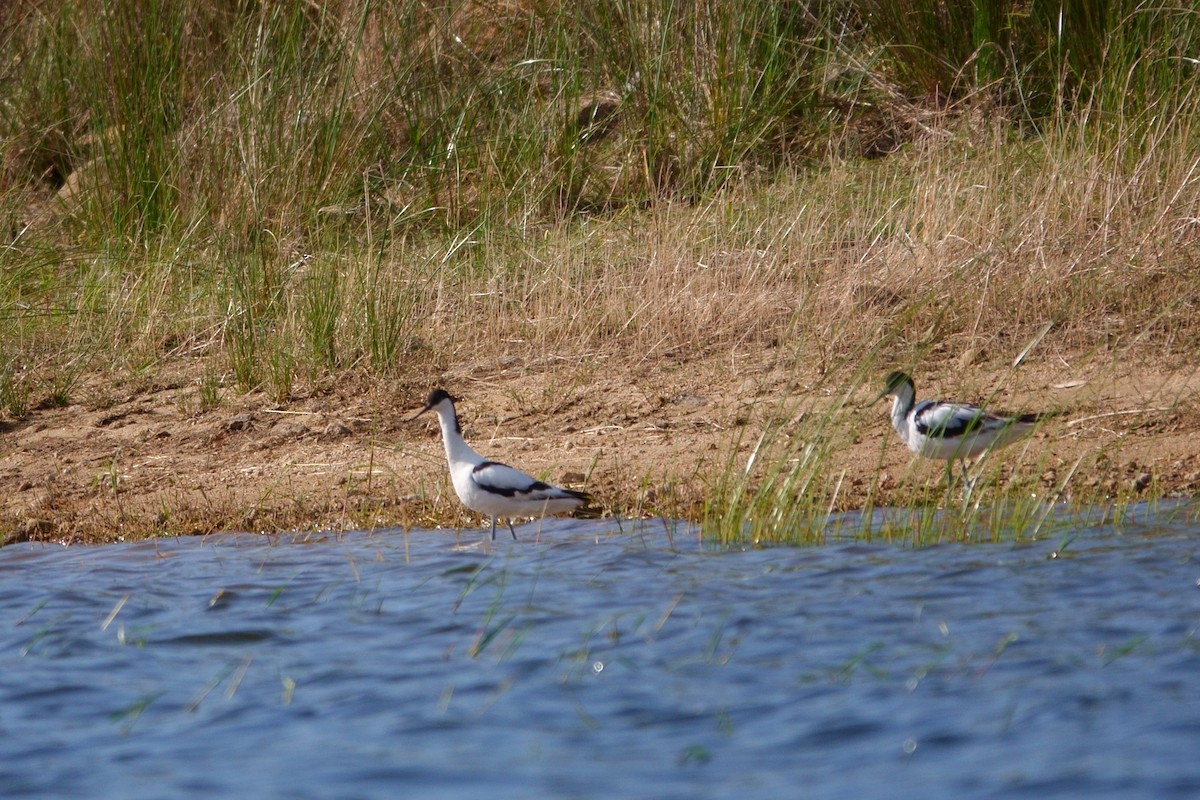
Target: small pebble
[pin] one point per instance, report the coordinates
(242, 422)
(336, 430)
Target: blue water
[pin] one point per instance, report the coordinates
(604, 660)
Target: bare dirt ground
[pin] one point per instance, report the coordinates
(134, 460)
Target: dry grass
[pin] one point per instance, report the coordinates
(955, 247)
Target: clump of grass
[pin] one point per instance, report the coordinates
(281, 371)
(787, 488)
(209, 392)
(14, 391)
(322, 309)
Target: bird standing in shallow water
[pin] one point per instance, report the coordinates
(489, 487)
(950, 431)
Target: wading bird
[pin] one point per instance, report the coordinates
(489, 487)
(952, 431)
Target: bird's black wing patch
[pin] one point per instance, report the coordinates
(946, 420)
(486, 470)
(501, 479)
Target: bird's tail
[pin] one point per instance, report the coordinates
(1041, 416)
(587, 509)
(583, 496)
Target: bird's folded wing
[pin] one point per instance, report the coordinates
(947, 420)
(504, 480)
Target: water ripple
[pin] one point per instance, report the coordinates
(596, 659)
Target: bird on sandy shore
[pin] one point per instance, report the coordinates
(489, 487)
(952, 431)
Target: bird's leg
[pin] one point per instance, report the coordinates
(510, 529)
(968, 484)
(493, 529)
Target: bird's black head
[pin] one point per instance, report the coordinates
(435, 397)
(895, 380)
(892, 384)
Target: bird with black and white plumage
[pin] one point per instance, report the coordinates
(952, 431)
(489, 487)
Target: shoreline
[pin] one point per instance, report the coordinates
(144, 463)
